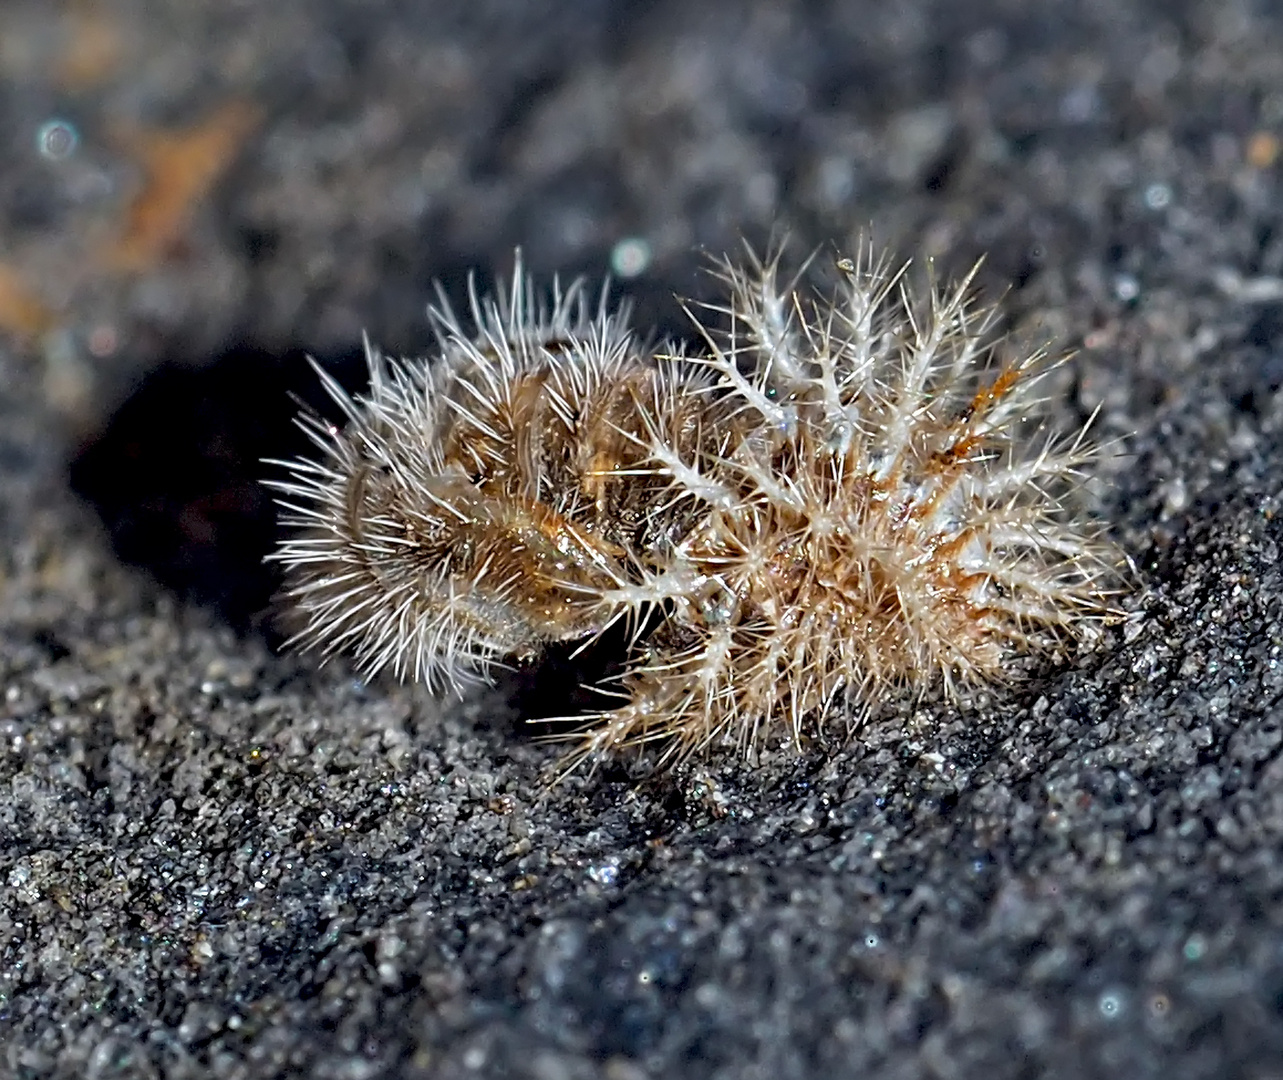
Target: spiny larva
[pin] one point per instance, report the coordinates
(836, 494)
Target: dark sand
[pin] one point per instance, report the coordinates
(216, 861)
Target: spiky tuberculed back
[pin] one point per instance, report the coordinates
(874, 515)
(835, 495)
(478, 507)
(425, 541)
(403, 565)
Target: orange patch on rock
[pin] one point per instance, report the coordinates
(22, 312)
(1263, 150)
(182, 167)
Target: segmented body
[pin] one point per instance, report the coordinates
(832, 496)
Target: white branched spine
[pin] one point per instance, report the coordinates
(835, 495)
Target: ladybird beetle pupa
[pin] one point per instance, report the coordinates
(835, 494)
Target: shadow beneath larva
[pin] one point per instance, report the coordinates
(176, 473)
(570, 680)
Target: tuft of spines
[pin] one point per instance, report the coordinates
(836, 494)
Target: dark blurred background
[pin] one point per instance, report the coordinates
(200, 194)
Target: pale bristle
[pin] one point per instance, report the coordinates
(836, 495)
